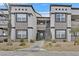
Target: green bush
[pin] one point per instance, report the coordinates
(76, 42)
(5, 40)
(22, 44)
(65, 40)
(50, 44)
(32, 41)
(53, 41)
(22, 40)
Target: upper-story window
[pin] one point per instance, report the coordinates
(23, 9)
(60, 17)
(15, 9)
(65, 9)
(21, 17)
(59, 9)
(56, 9)
(18, 9)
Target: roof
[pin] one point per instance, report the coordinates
(24, 5)
(61, 5)
(75, 8)
(4, 9)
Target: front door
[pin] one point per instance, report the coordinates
(40, 35)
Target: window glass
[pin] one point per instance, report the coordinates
(60, 34)
(22, 17)
(21, 34)
(60, 17)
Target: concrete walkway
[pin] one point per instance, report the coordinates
(37, 46)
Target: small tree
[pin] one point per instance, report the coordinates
(74, 31)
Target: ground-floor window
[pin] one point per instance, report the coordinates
(60, 34)
(22, 34)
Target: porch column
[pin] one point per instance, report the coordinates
(13, 34)
(52, 26)
(53, 33)
(30, 33)
(68, 35)
(68, 27)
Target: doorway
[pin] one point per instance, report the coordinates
(40, 35)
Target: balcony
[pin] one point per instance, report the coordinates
(41, 27)
(3, 24)
(75, 24)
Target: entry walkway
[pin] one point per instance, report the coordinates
(37, 46)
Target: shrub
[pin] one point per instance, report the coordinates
(32, 41)
(76, 42)
(65, 40)
(5, 40)
(50, 44)
(22, 44)
(53, 41)
(22, 40)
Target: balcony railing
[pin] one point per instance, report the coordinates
(75, 24)
(41, 27)
(3, 24)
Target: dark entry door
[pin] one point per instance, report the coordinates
(40, 35)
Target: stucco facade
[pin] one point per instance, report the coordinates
(27, 24)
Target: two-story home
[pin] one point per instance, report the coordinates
(27, 24)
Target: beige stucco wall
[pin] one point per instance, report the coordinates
(53, 9)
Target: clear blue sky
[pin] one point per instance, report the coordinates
(44, 7)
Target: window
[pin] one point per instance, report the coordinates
(60, 34)
(65, 9)
(18, 9)
(26, 9)
(55, 9)
(15, 9)
(62, 9)
(22, 34)
(59, 9)
(23, 9)
(73, 19)
(22, 17)
(60, 18)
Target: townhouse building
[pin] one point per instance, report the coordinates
(26, 23)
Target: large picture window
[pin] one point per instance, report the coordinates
(60, 34)
(22, 17)
(22, 34)
(60, 18)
